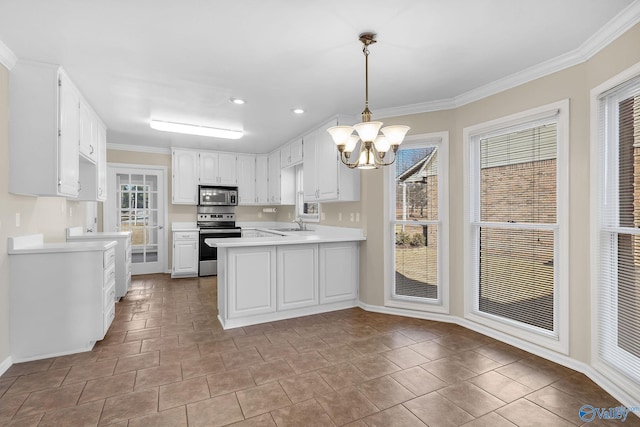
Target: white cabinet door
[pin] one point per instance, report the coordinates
(326, 167)
(262, 179)
(274, 177)
(310, 167)
(339, 264)
(297, 276)
(295, 152)
(68, 165)
(251, 275)
(227, 169)
(185, 254)
(208, 170)
(185, 177)
(102, 162)
(246, 179)
(285, 156)
(88, 132)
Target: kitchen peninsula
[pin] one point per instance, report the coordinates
(286, 273)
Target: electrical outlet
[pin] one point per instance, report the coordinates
(339, 216)
(288, 215)
(351, 217)
(357, 216)
(70, 211)
(259, 214)
(62, 207)
(18, 219)
(323, 216)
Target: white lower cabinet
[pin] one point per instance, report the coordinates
(259, 284)
(185, 254)
(61, 296)
(297, 276)
(122, 254)
(339, 264)
(252, 273)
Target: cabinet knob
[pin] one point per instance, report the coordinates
(90, 149)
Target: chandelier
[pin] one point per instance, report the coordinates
(373, 146)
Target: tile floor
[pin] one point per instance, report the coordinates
(167, 362)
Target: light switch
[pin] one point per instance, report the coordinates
(351, 217)
(70, 211)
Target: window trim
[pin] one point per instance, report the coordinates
(558, 341)
(441, 306)
(596, 175)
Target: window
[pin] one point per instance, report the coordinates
(517, 240)
(618, 284)
(305, 210)
(418, 202)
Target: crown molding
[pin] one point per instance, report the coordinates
(7, 57)
(138, 148)
(618, 25)
(422, 107)
(613, 29)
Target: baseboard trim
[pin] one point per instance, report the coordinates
(5, 365)
(603, 381)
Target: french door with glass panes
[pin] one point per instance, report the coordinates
(136, 204)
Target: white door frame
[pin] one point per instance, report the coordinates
(109, 207)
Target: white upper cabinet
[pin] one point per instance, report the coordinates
(274, 178)
(93, 171)
(208, 168)
(228, 169)
(192, 168)
(88, 132)
(184, 183)
(43, 131)
(102, 162)
(217, 168)
(262, 179)
(291, 154)
(325, 178)
(246, 179)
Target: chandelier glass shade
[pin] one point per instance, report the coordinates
(374, 147)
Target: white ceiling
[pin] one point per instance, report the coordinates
(182, 60)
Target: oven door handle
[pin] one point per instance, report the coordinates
(220, 231)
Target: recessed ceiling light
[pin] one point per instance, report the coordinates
(238, 101)
(196, 130)
(297, 111)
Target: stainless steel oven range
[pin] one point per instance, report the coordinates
(214, 222)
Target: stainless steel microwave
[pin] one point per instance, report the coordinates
(217, 196)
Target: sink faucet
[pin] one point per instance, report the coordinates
(300, 223)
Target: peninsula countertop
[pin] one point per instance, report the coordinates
(278, 235)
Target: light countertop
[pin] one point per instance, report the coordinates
(316, 234)
(184, 226)
(34, 244)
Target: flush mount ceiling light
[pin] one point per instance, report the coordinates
(195, 130)
(238, 101)
(297, 111)
(373, 147)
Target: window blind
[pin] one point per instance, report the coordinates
(515, 225)
(619, 285)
